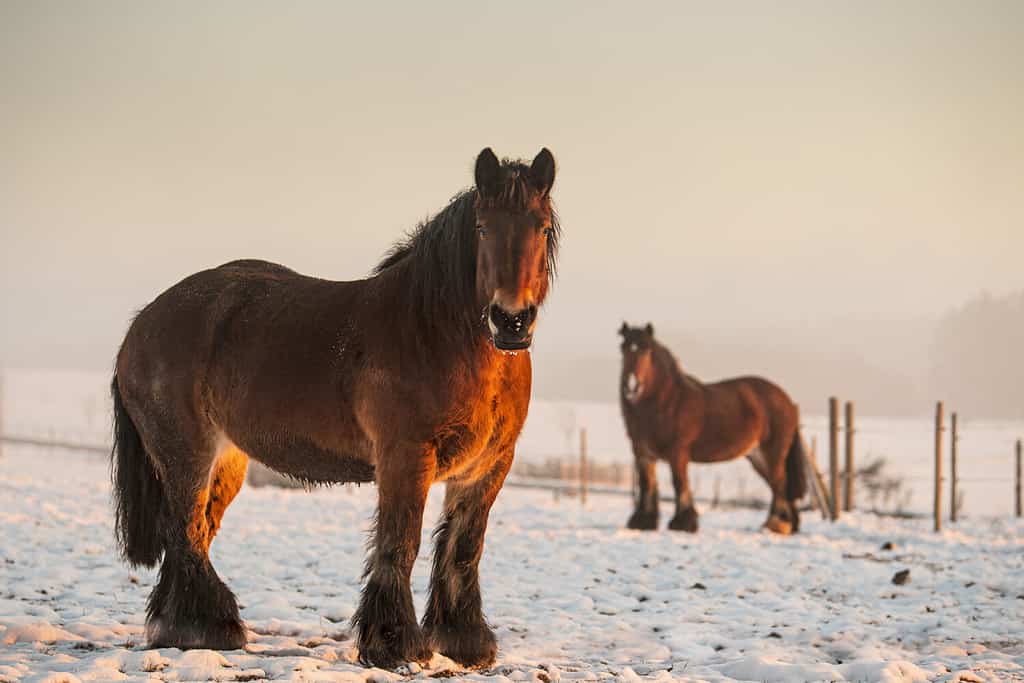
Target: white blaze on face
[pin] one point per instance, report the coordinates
(632, 386)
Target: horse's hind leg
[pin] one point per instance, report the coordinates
(225, 483)
(190, 607)
(782, 513)
(454, 620)
(686, 512)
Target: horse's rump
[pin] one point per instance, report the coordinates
(234, 351)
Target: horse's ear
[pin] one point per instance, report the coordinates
(650, 330)
(542, 171)
(624, 329)
(486, 172)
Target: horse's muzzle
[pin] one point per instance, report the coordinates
(511, 331)
(632, 388)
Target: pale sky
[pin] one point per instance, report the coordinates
(722, 166)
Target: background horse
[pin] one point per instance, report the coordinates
(404, 378)
(672, 416)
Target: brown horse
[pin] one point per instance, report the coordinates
(405, 378)
(674, 417)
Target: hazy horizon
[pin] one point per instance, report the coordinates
(830, 177)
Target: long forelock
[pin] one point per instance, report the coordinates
(515, 193)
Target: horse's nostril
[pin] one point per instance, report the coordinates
(530, 314)
(498, 317)
(517, 324)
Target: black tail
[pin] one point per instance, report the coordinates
(138, 495)
(796, 472)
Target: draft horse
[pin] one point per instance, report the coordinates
(672, 416)
(405, 378)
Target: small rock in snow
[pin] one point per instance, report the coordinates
(901, 577)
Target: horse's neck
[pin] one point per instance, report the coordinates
(673, 380)
(449, 333)
(690, 382)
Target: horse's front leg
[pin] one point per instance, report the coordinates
(386, 629)
(646, 514)
(454, 620)
(686, 512)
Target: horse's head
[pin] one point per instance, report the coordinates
(517, 236)
(637, 361)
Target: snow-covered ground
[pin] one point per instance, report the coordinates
(570, 593)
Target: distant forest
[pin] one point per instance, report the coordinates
(976, 356)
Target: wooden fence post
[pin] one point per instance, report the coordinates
(1018, 501)
(953, 438)
(938, 465)
(850, 471)
(826, 507)
(833, 455)
(819, 494)
(583, 466)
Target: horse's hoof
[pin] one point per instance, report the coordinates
(779, 526)
(387, 647)
(642, 521)
(684, 521)
(474, 647)
(225, 635)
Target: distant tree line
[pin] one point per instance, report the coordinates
(976, 357)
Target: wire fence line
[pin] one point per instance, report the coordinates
(71, 411)
(904, 445)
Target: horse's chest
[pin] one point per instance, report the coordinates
(480, 434)
(657, 432)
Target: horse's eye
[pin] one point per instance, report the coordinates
(548, 232)
(481, 230)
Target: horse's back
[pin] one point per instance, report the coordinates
(226, 354)
(239, 314)
(185, 317)
(765, 390)
(739, 414)
(258, 268)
